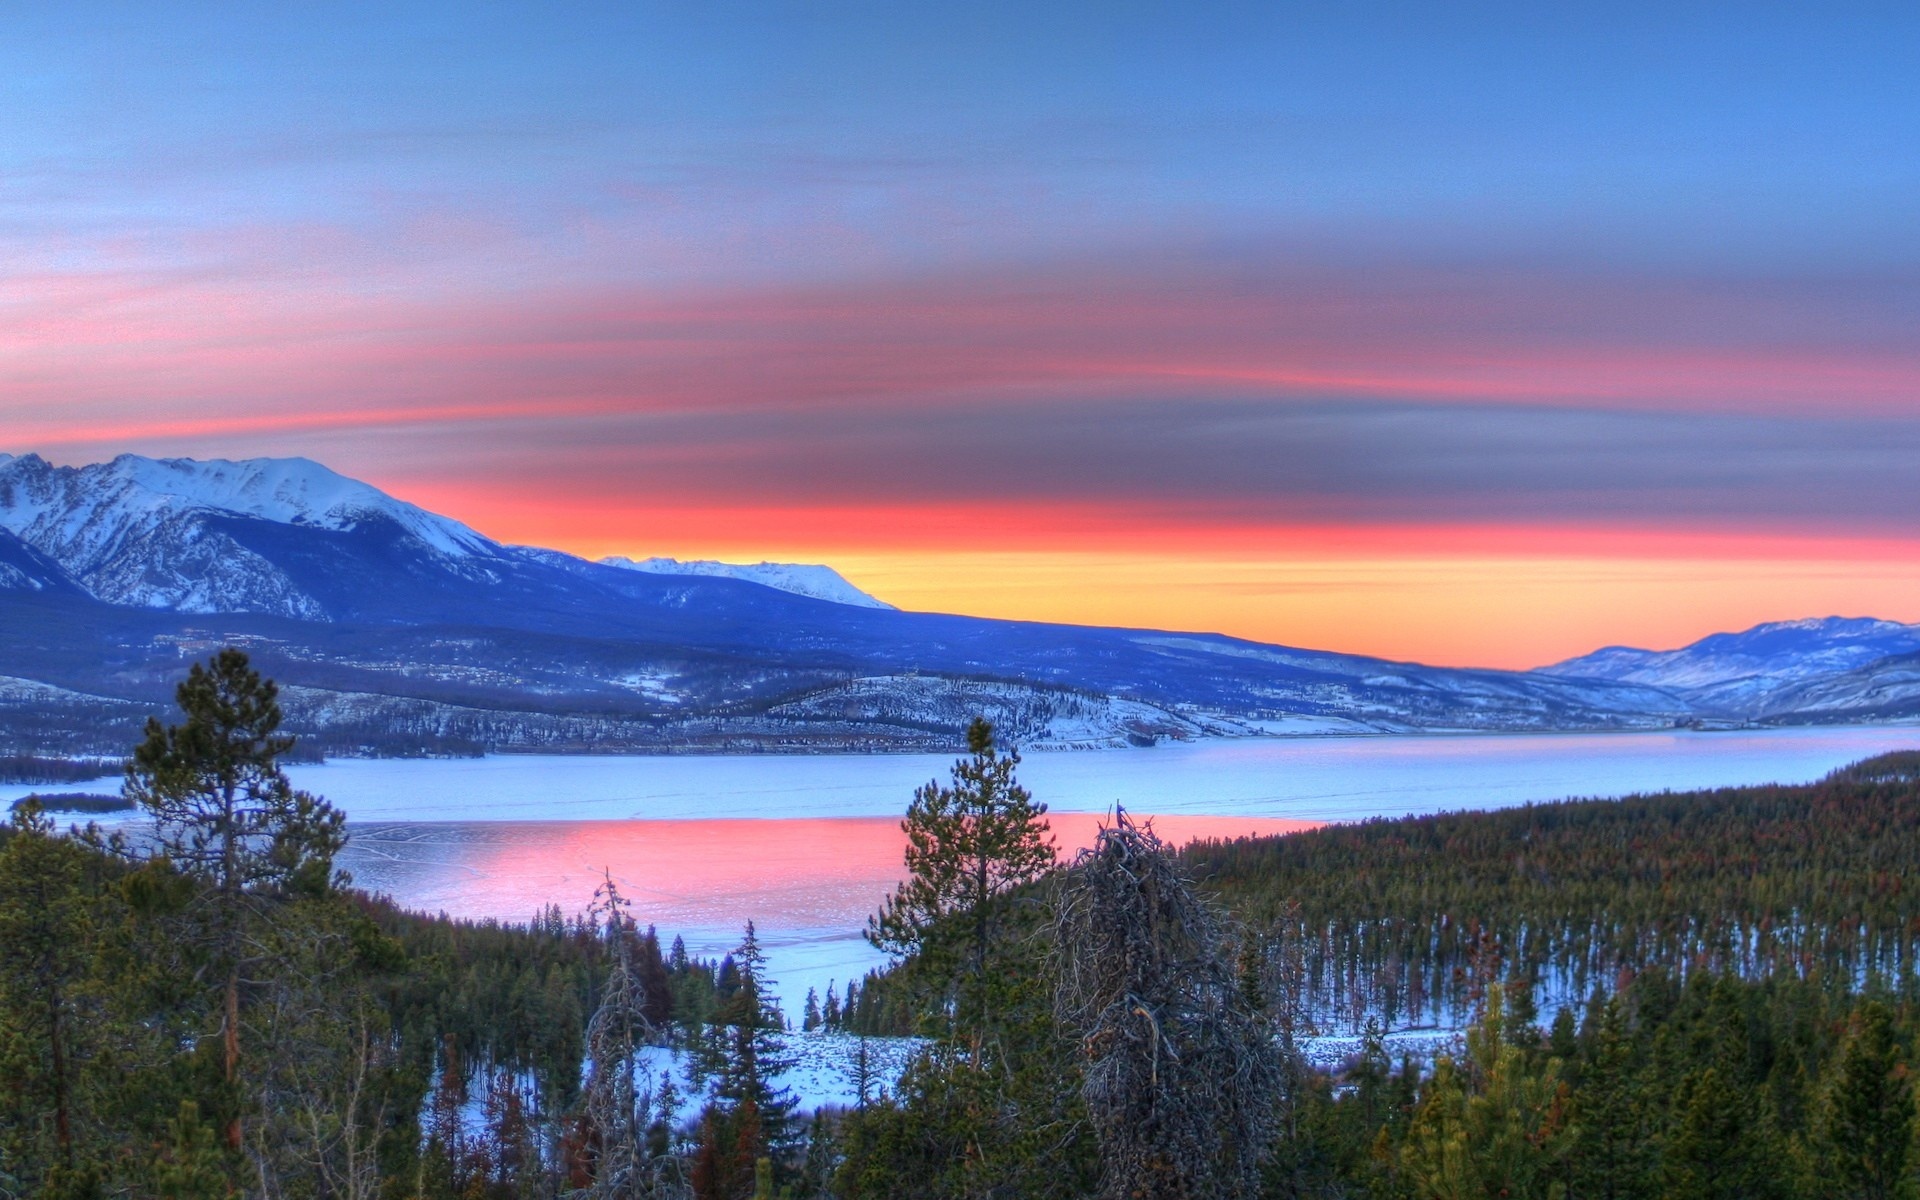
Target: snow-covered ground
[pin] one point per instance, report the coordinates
(824, 1069)
(1333, 1053)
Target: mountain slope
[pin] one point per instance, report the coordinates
(1885, 689)
(1752, 672)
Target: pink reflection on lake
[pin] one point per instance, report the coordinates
(794, 873)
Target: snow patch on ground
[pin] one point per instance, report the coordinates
(824, 1073)
(656, 685)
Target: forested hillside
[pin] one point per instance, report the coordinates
(1392, 916)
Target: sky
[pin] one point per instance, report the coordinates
(1471, 334)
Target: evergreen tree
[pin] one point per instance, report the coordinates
(1866, 1127)
(227, 816)
(1712, 1151)
(1494, 1124)
(654, 979)
(46, 943)
(1609, 1152)
(743, 1053)
(189, 1165)
(970, 844)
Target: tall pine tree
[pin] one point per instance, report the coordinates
(226, 815)
(970, 845)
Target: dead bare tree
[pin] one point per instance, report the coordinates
(620, 1110)
(1181, 1080)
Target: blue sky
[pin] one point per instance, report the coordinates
(1281, 280)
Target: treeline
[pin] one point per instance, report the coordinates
(1392, 917)
(33, 768)
(876, 1005)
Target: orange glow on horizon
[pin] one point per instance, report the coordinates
(1514, 596)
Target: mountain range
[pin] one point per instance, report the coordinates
(396, 630)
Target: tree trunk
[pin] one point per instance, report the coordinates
(230, 895)
(231, 1043)
(62, 1102)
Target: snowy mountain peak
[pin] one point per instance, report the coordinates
(291, 491)
(149, 532)
(70, 510)
(802, 579)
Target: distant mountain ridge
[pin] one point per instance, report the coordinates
(395, 630)
(802, 579)
(1758, 671)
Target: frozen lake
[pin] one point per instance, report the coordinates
(807, 845)
(1302, 779)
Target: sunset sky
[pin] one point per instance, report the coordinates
(1466, 333)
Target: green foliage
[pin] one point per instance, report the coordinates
(224, 810)
(188, 1164)
(743, 1051)
(1865, 1130)
(1749, 954)
(226, 816)
(1495, 1124)
(971, 847)
(114, 1075)
(47, 1005)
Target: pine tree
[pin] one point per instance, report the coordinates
(1709, 1153)
(46, 935)
(969, 846)
(1866, 1127)
(744, 1052)
(864, 1081)
(189, 1165)
(227, 816)
(1609, 1147)
(654, 980)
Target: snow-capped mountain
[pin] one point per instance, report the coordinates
(1744, 673)
(182, 535)
(802, 579)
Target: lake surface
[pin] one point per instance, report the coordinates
(808, 845)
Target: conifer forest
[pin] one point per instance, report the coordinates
(1682, 995)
